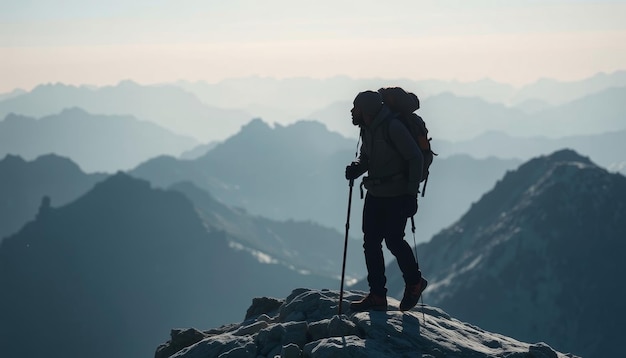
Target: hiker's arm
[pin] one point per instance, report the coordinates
(362, 161)
(410, 152)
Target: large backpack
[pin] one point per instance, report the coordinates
(404, 104)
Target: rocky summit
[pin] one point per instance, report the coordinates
(306, 324)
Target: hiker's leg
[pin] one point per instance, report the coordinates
(372, 245)
(394, 239)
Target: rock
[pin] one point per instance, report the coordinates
(179, 339)
(541, 350)
(291, 351)
(268, 339)
(262, 305)
(428, 332)
(319, 329)
(338, 327)
(296, 333)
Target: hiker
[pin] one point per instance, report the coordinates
(393, 161)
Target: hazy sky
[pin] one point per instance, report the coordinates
(149, 41)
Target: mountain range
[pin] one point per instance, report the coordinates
(26, 183)
(118, 127)
(95, 142)
(165, 105)
(26, 186)
(454, 118)
(456, 111)
(285, 100)
(607, 149)
(296, 172)
(537, 257)
(113, 271)
(516, 254)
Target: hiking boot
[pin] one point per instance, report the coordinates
(371, 302)
(412, 294)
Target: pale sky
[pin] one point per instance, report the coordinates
(151, 41)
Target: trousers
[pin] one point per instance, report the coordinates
(385, 218)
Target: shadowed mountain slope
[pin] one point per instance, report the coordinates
(538, 256)
(304, 245)
(297, 172)
(111, 272)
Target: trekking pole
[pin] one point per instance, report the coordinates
(416, 262)
(345, 246)
(414, 242)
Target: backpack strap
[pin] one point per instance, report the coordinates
(424, 187)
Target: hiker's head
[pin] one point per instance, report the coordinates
(366, 106)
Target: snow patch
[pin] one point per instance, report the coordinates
(260, 256)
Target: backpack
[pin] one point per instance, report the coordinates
(404, 104)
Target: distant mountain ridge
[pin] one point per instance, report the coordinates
(600, 112)
(264, 168)
(606, 149)
(168, 106)
(16, 92)
(560, 92)
(456, 118)
(537, 256)
(137, 141)
(23, 184)
(126, 262)
(210, 112)
(455, 110)
(95, 142)
(319, 93)
(297, 172)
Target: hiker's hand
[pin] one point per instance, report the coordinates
(353, 171)
(410, 205)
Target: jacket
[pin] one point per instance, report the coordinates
(391, 157)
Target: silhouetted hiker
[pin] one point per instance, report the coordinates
(393, 161)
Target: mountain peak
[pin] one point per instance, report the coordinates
(122, 182)
(11, 159)
(122, 192)
(567, 155)
(530, 180)
(13, 163)
(255, 125)
(48, 85)
(73, 112)
(306, 324)
(128, 83)
(15, 118)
